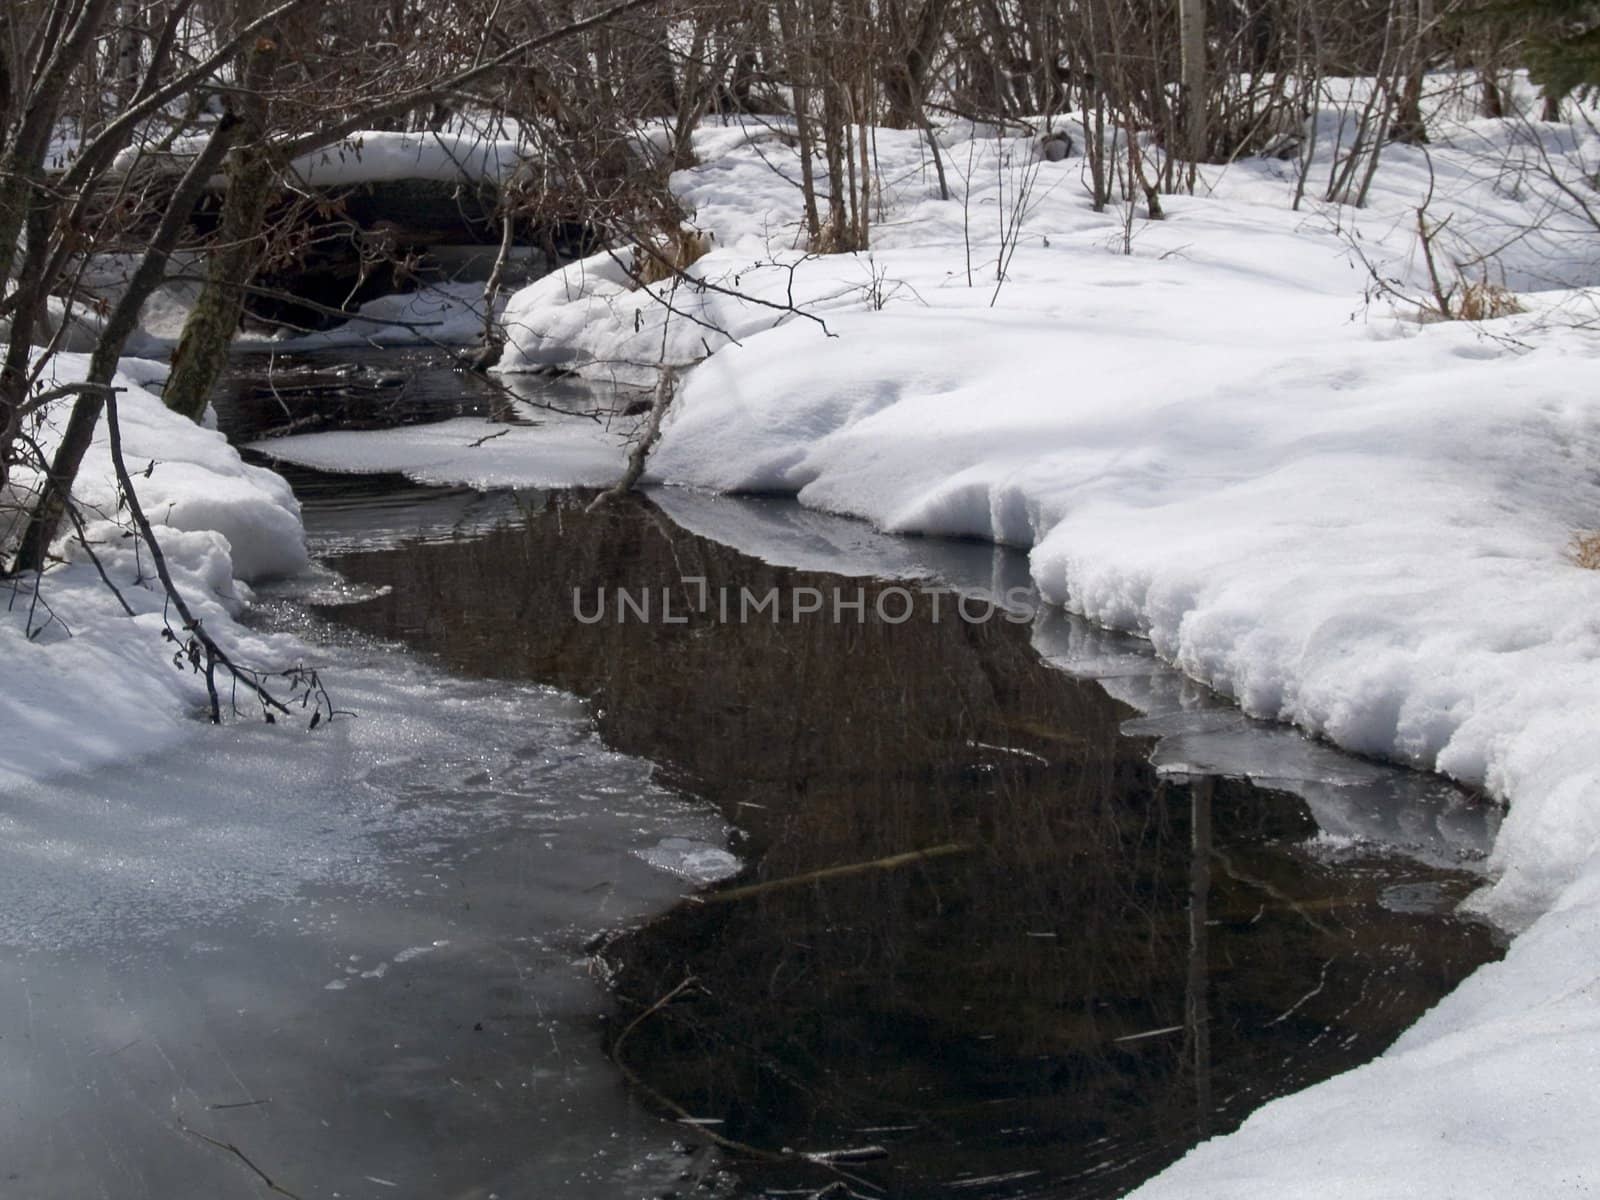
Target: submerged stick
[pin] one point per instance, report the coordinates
(878, 864)
(230, 1148)
(826, 1159)
(682, 1114)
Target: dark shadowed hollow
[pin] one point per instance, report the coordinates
(1096, 968)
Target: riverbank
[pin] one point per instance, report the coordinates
(1226, 430)
(1308, 499)
(91, 682)
(1235, 432)
(353, 953)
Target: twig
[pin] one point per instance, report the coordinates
(83, 540)
(828, 1160)
(214, 654)
(878, 864)
(242, 1157)
(641, 449)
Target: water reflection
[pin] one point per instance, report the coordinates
(1098, 967)
(268, 395)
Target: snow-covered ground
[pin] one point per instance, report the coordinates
(94, 684)
(355, 951)
(1228, 431)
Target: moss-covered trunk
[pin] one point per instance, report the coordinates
(202, 351)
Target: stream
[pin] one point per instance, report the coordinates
(975, 902)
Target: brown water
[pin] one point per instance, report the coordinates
(976, 930)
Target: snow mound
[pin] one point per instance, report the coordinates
(93, 684)
(448, 314)
(195, 482)
(589, 317)
(377, 156)
(551, 451)
(369, 156)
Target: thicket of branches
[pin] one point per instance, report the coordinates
(118, 118)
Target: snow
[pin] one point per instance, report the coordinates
(1232, 433)
(572, 452)
(1228, 432)
(376, 156)
(100, 684)
(371, 156)
(440, 314)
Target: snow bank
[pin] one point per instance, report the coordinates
(1365, 537)
(439, 314)
(370, 156)
(88, 682)
(1210, 434)
(590, 319)
(196, 482)
(551, 450)
(376, 156)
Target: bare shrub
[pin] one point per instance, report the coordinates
(1482, 300)
(1584, 549)
(666, 252)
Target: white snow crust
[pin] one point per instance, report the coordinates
(88, 684)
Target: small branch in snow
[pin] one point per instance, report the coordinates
(197, 648)
(646, 443)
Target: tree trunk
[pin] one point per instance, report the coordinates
(1493, 102)
(1192, 46)
(905, 75)
(797, 63)
(1409, 125)
(202, 351)
(29, 308)
(130, 44)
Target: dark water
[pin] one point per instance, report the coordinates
(268, 395)
(977, 931)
